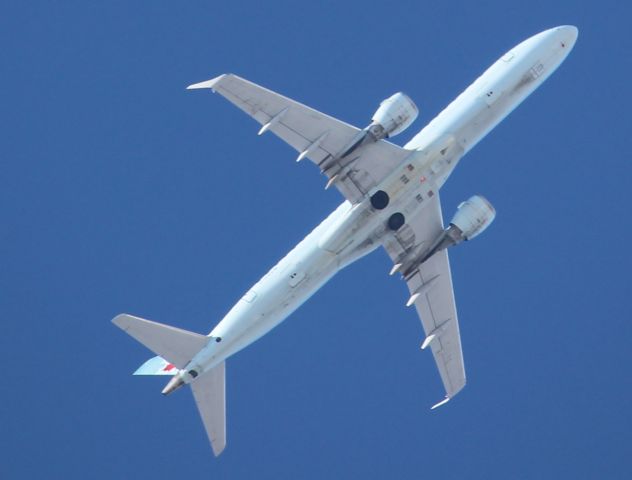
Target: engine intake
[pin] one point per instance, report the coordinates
(394, 115)
(473, 216)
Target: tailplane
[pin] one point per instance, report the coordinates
(175, 348)
(209, 392)
(175, 345)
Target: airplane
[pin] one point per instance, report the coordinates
(391, 200)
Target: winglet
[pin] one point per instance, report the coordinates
(208, 83)
(442, 402)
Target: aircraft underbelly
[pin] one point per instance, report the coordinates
(495, 94)
(288, 285)
(353, 231)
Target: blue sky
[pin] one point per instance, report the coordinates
(120, 191)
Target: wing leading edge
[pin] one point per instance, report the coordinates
(316, 136)
(431, 291)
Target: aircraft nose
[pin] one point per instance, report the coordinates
(567, 35)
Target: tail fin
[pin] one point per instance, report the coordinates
(209, 392)
(175, 348)
(175, 345)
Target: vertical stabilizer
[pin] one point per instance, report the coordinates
(157, 366)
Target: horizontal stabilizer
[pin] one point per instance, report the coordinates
(175, 345)
(209, 392)
(157, 366)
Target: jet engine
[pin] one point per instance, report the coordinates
(472, 217)
(394, 115)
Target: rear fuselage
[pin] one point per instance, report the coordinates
(353, 231)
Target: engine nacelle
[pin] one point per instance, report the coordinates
(473, 216)
(394, 115)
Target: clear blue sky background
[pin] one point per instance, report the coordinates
(120, 191)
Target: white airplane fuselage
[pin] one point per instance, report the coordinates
(353, 231)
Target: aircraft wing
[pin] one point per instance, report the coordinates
(430, 286)
(316, 136)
